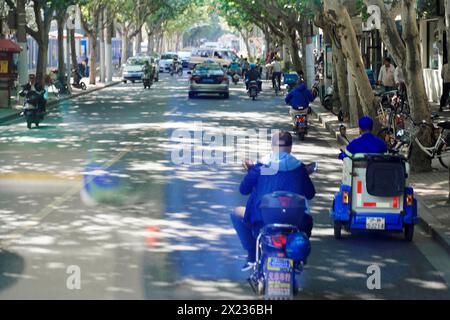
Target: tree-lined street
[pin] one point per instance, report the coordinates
(164, 230)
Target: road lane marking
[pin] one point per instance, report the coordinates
(41, 215)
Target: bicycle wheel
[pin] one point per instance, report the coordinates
(443, 154)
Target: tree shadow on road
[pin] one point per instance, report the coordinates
(11, 268)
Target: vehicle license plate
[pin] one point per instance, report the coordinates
(375, 223)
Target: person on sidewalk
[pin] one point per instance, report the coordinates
(386, 77)
(445, 86)
(366, 143)
(291, 176)
(299, 99)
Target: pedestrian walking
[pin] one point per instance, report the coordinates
(386, 76)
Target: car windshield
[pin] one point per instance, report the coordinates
(202, 53)
(208, 69)
(167, 56)
(136, 62)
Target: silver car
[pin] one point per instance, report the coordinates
(209, 78)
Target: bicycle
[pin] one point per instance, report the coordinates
(440, 137)
(277, 87)
(59, 88)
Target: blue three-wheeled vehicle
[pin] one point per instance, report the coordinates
(375, 195)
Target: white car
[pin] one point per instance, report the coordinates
(185, 57)
(166, 61)
(132, 69)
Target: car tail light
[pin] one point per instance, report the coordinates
(345, 197)
(301, 119)
(195, 78)
(409, 200)
(222, 79)
(279, 241)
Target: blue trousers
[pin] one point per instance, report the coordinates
(248, 234)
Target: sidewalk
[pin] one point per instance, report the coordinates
(8, 114)
(431, 189)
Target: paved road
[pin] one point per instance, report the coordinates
(152, 229)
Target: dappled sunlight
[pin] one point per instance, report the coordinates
(150, 228)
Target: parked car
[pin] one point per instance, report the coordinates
(221, 56)
(166, 61)
(132, 69)
(209, 78)
(185, 57)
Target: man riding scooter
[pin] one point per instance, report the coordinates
(33, 86)
(299, 99)
(286, 174)
(253, 75)
(367, 143)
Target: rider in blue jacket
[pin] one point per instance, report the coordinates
(299, 99)
(366, 143)
(280, 171)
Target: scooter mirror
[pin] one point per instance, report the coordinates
(343, 130)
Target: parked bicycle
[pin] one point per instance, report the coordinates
(440, 148)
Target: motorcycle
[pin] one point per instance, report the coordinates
(77, 83)
(301, 123)
(147, 80)
(33, 107)
(253, 89)
(235, 77)
(178, 69)
(282, 249)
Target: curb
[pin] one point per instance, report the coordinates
(431, 225)
(54, 103)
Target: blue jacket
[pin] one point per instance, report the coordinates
(367, 143)
(299, 97)
(291, 176)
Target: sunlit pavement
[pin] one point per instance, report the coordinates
(163, 230)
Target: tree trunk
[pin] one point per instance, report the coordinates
(267, 39)
(340, 81)
(447, 24)
(125, 45)
(41, 68)
(417, 97)
(93, 59)
(150, 40)
(101, 31)
(339, 16)
(108, 51)
(73, 49)
(245, 37)
(294, 49)
(61, 65)
(137, 43)
(22, 42)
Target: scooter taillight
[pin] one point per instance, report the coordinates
(279, 241)
(301, 119)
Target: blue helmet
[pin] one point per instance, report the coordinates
(252, 66)
(298, 247)
(366, 123)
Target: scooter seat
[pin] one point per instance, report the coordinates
(444, 125)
